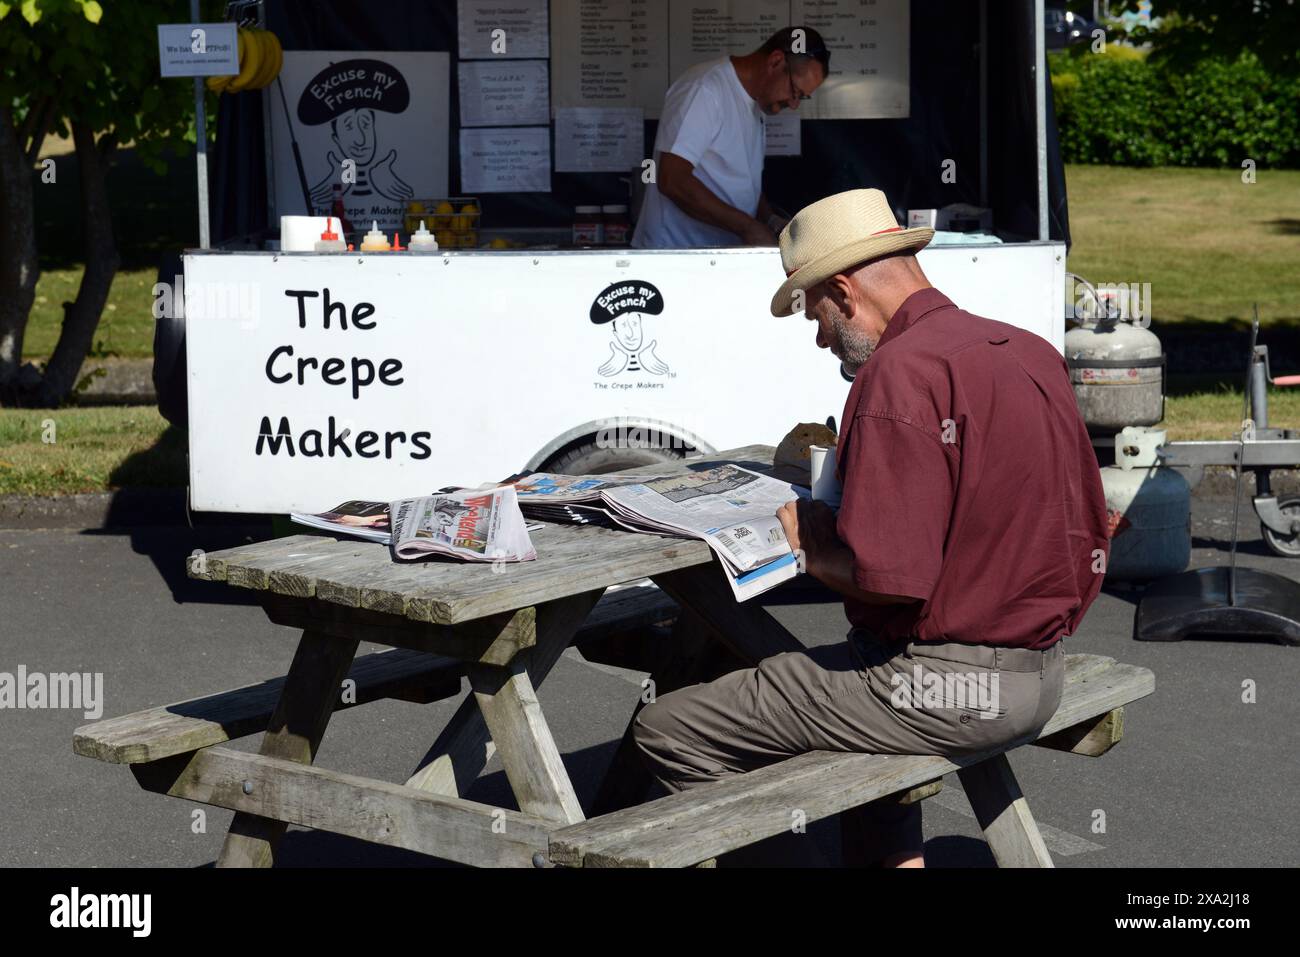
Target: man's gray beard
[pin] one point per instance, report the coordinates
(857, 346)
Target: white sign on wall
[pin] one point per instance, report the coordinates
(599, 140)
(506, 160)
(505, 93)
(374, 123)
(318, 379)
(198, 49)
(783, 134)
(490, 29)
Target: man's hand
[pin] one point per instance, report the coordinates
(810, 526)
(757, 234)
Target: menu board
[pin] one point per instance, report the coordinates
(701, 30)
(869, 42)
(610, 53)
(626, 53)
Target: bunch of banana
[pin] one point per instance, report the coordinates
(260, 59)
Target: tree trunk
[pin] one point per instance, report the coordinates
(81, 318)
(19, 266)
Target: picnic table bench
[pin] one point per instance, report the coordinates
(504, 627)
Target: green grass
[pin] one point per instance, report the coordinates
(1209, 245)
(125, 328)
(1217, 415)
(62, 451)
(152, 214)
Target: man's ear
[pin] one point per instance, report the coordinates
(843, 294)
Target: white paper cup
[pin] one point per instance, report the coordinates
(825, 486)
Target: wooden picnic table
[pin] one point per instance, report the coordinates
(504, 627)
(506, 624)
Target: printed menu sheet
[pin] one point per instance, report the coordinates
(504, 93)
(503, 29)
(626, 53)
(610, 53)
(599, 140)
(506, 160)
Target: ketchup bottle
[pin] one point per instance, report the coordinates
(337, 211)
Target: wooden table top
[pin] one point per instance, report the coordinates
(571, 559)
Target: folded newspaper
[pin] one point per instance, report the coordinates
(729, 507)
(482, 525)
(479, 526)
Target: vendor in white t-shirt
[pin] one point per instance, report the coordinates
(710, 145)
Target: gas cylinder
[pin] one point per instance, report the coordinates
(1151, 522)
(1117, 370)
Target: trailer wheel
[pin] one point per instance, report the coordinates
(588, 458)
(1288, 546)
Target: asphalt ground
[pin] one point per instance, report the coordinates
(1202, 778)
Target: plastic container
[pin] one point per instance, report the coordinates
(375, 241)
(588, 226)
(422, 241)
(330, 241)
(618, 226)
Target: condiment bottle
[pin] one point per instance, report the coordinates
(397, 243)
(588, 229)
(617, 225)
(329, 241)
(374, 241)
(422, 241)
(336, 209)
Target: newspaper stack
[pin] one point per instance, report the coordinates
(573, 499)
(476, 526)
(731, 508)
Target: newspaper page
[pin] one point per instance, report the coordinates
(368, 520)
(477, 526)
(548, 489)
(731, 508)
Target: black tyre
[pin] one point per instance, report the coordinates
(1288, 546)
(588, 458)
(169, 351)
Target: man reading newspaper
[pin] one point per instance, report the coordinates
(971, 539)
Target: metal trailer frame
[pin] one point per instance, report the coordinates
(1260, 450)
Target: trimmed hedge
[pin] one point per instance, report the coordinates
(1120, 108)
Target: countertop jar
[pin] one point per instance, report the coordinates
(588, 226)
(618, 226)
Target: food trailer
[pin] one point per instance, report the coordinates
(313, 378)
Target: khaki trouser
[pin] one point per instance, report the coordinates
(862, 695)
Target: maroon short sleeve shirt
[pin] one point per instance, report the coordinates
(969, 483)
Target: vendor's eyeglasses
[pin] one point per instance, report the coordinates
(795, 92)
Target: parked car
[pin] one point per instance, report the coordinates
(1061, 28)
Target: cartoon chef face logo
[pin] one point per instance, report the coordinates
(350, 96)
(625, 305)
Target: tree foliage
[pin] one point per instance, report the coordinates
(1191, 31)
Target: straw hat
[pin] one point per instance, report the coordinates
(834, 235)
